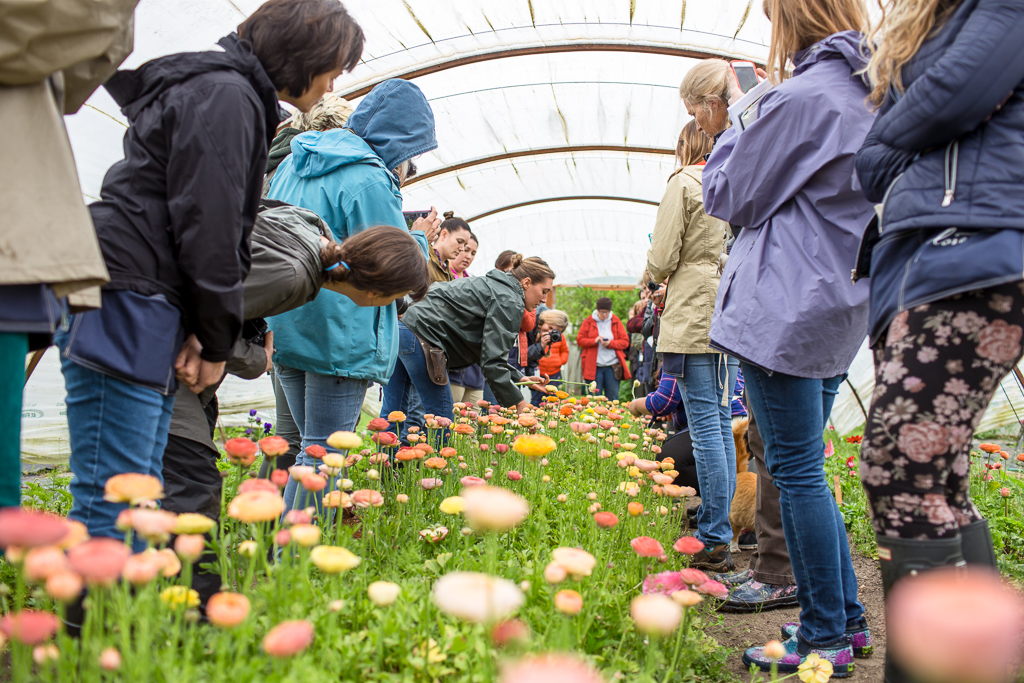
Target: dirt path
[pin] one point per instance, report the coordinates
(739, 631)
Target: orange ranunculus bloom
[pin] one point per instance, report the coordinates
(240, 451)
(364, 498)
(645, 546)
(527, 420)
(463, 428)
(565, 410)
(435, 463)
(396, 416)
(273, 446)
(133, 488)
(635, 508)
(288, 638)
(227, 610)
(256, 506)
(408, 454)
(426, 448)
(568, 601)
(990, 448)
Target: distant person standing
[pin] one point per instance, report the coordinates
(603, 341)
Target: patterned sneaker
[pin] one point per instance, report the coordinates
(859, 635)
(734, 579)
(717, 559)
(839, 658)
(754, 596)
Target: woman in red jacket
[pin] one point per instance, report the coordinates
(603, 341)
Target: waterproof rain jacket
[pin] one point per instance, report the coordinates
(785, 302)
(176, 213)
(588, 347)
(344, 176)
(475, 320)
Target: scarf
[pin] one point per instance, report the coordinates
(529, 322)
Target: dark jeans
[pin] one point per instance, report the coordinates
(935, 373)
(411, 371)
(791, 413)
(770, 562)
(537, 396)
(607, 385)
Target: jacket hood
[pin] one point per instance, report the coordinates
(506, 281)
(317, 153)
(396, 121)
(843, 45)
(281, 147)
(135, 90)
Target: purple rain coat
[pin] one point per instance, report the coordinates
(786, 302)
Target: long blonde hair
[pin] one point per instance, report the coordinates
(904, 27)
(692, 145)
(705, 83)
(798, 24)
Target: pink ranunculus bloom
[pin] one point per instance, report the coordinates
(29, 626)
(64, 586)
(189, 547)
(512, 630)
(605, 453)
(431, 483)
(606, 520)
(260, 484)
(550, 668)
(24, 528)
(99, 560)
(713, 588)
(386, 439)
(443, 422)
(470, 480)
(296, 516)
(279, 478)
(273, 446)
(378, 424)
(501, 448)
(646, 465)
(282, 538)
(288, 638)
(514, 475)
(692, 577)
(142, 568)
(312, 482)
(42, 562)
(606, 424)
(645, 546)
(364, 498)
(665, 583)
(688, 545)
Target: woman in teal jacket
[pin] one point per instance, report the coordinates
(330, 349)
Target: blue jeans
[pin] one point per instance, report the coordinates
(411, 373)
(320, 406)
(115, 428)
(412, 406)
(704, 378)
(537, 396)
(791, 416)
(606, 382)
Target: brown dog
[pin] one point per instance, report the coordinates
(744, 502)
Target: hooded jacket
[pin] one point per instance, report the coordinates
(176, 212)
(585, 339)
(475, 320)
(345, 177)
(785, 301)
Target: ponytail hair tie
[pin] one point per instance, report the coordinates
(339, 263)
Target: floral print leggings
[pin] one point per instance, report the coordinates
(935, 373)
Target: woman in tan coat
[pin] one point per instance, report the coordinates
(685, 248)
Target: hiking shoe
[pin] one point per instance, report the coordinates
(717, 559)
(735, 578)
(754, 596)
(859, 635)
(748, 541)
(839, 658)
(692, 512)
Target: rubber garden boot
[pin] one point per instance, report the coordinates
(904, 557)
(976, 544)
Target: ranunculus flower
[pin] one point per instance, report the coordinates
(338, 499)
(377, 424)
(606, 520)
(110, 659)
(513, 475)
(43, 562)
(29, 626)
(492, 508)
(434, 534)
(505, 632)
(142, 568)
(256, 506)
(240, 451)
(430, 483)
(534, 445)
(77, 533)
(687, 598)
(279, 478)
(383, 593)
(193, 523)
(132, 488)
(435, 463)
(364, 498)
(24, 528)
(257, 485)
(41, 654)
(170, 561)
(655, 614)
(227, 610)
(688, 545)
(99, 560)
(189, 547)
(296, 516)
(248, 549)
(156, 526)
(665, 583)
(452, 505)
(288, 638)
(470, 480)
(577, 562)
(306, 535)
(692, 577)
(64, 586)
(634, 508)
(345, 441)
(773, 649)
(385, 439)
(713, 588)
(568, 601)
(464, 429)
(555, 573)
(550, 668)
(177, 597)
(332, 559)
(645, 546)
(396, 416)
(476, 598)
(314, 482)
(273, 446)
(283, 537)
(316, 451)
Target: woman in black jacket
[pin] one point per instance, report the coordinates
(946, 158)
(174, 223)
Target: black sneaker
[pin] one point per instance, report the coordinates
(717, 559)
(692, 512)
(748, 541)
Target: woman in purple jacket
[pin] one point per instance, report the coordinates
(786, 307)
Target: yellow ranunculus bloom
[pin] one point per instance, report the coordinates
(345, 441)
(178, 596)
(453, 505)
(814, 669)
(331, 559)
(534, 445)
(192, 523)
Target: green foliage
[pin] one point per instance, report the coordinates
(579, 302)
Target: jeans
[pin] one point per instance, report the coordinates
(411, 373)
(13, 347)
(704, 379)
(412, 406)
(115, 428)
(606, 382)
(320, 406)
(791, 416)
(284, 427)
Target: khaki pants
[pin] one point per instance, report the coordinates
(770, 562)
(462, 394)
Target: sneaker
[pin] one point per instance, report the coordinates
(717, 559)
(859, 635)
(692, 512)
(735, 578)
(839, 658)
(754, 596)
(748, 541)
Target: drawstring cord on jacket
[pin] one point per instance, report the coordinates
(724, 358)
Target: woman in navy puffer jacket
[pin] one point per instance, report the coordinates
(946, 158)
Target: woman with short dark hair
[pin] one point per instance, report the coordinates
(174, 226)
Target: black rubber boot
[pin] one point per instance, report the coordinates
(904, 557)
(976, 544)
(74, 616)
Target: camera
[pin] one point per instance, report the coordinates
(652, 286)
(555, 336)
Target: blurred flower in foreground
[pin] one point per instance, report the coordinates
(25, 528)
(476, 598)
(383, 593)
(568, 601)
(178, 596)
(227, 610)
(256, 506)
(99, 560)
(655, 614)
(333, 560)
(575, 561)
(110, 659)
(493, 508)
(29, 627)
(133, 488)
(814, 669)
(288, 638)
(550, 668)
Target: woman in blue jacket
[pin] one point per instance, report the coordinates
(785, 306)
(946, 158)
(327, 351)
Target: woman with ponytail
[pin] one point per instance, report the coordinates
(470, 320)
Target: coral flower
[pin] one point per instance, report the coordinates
(429, 483)
(288, 638)
(29, 626)
(297, 517)
(364, 498)
(273, 446)
(526, 420)
(568, 601)
(142, 568)
(492, 508)
(464, 429)
(645, 546)
(476, 598)
(687, 598)
(345, 441)
(64, 586)
(408, 454)
(470, 480)
(132, 488)
(396, 416)
(193, 523)
(606, 520)
(577, 562)
(550, 668)
(257, 485)
(176, 597)
(435, 463)
(383, 593)
(713, 588)
(43, 562)
(333, 560)
(453, 505)
(99, 560)
(306, 535)
(227, 610)
(338, 499)
(256, 506)
(565, 410)
(555, 573)
(110, 659)
(240, 451)
(655, 614)
(692, 577)
(634, 508)
(646, 465)
(665, 583)
(506, 632)
(312, 482)
(990, 448)
(385, 439)
(76, 533)
(513, 475)
(534, 445)
(665, 482)
(316, 451)
(170, 562)
(688, 545)
(189, 547)
(378, 424)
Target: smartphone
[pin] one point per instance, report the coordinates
(412, 216)
(746, 75)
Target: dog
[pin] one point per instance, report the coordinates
(744, 502)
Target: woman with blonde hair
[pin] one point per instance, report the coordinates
(785, 307)
(946, 158)
(685, 248)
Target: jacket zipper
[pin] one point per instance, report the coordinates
(949, 167)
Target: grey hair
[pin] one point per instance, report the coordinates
(332, 111)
